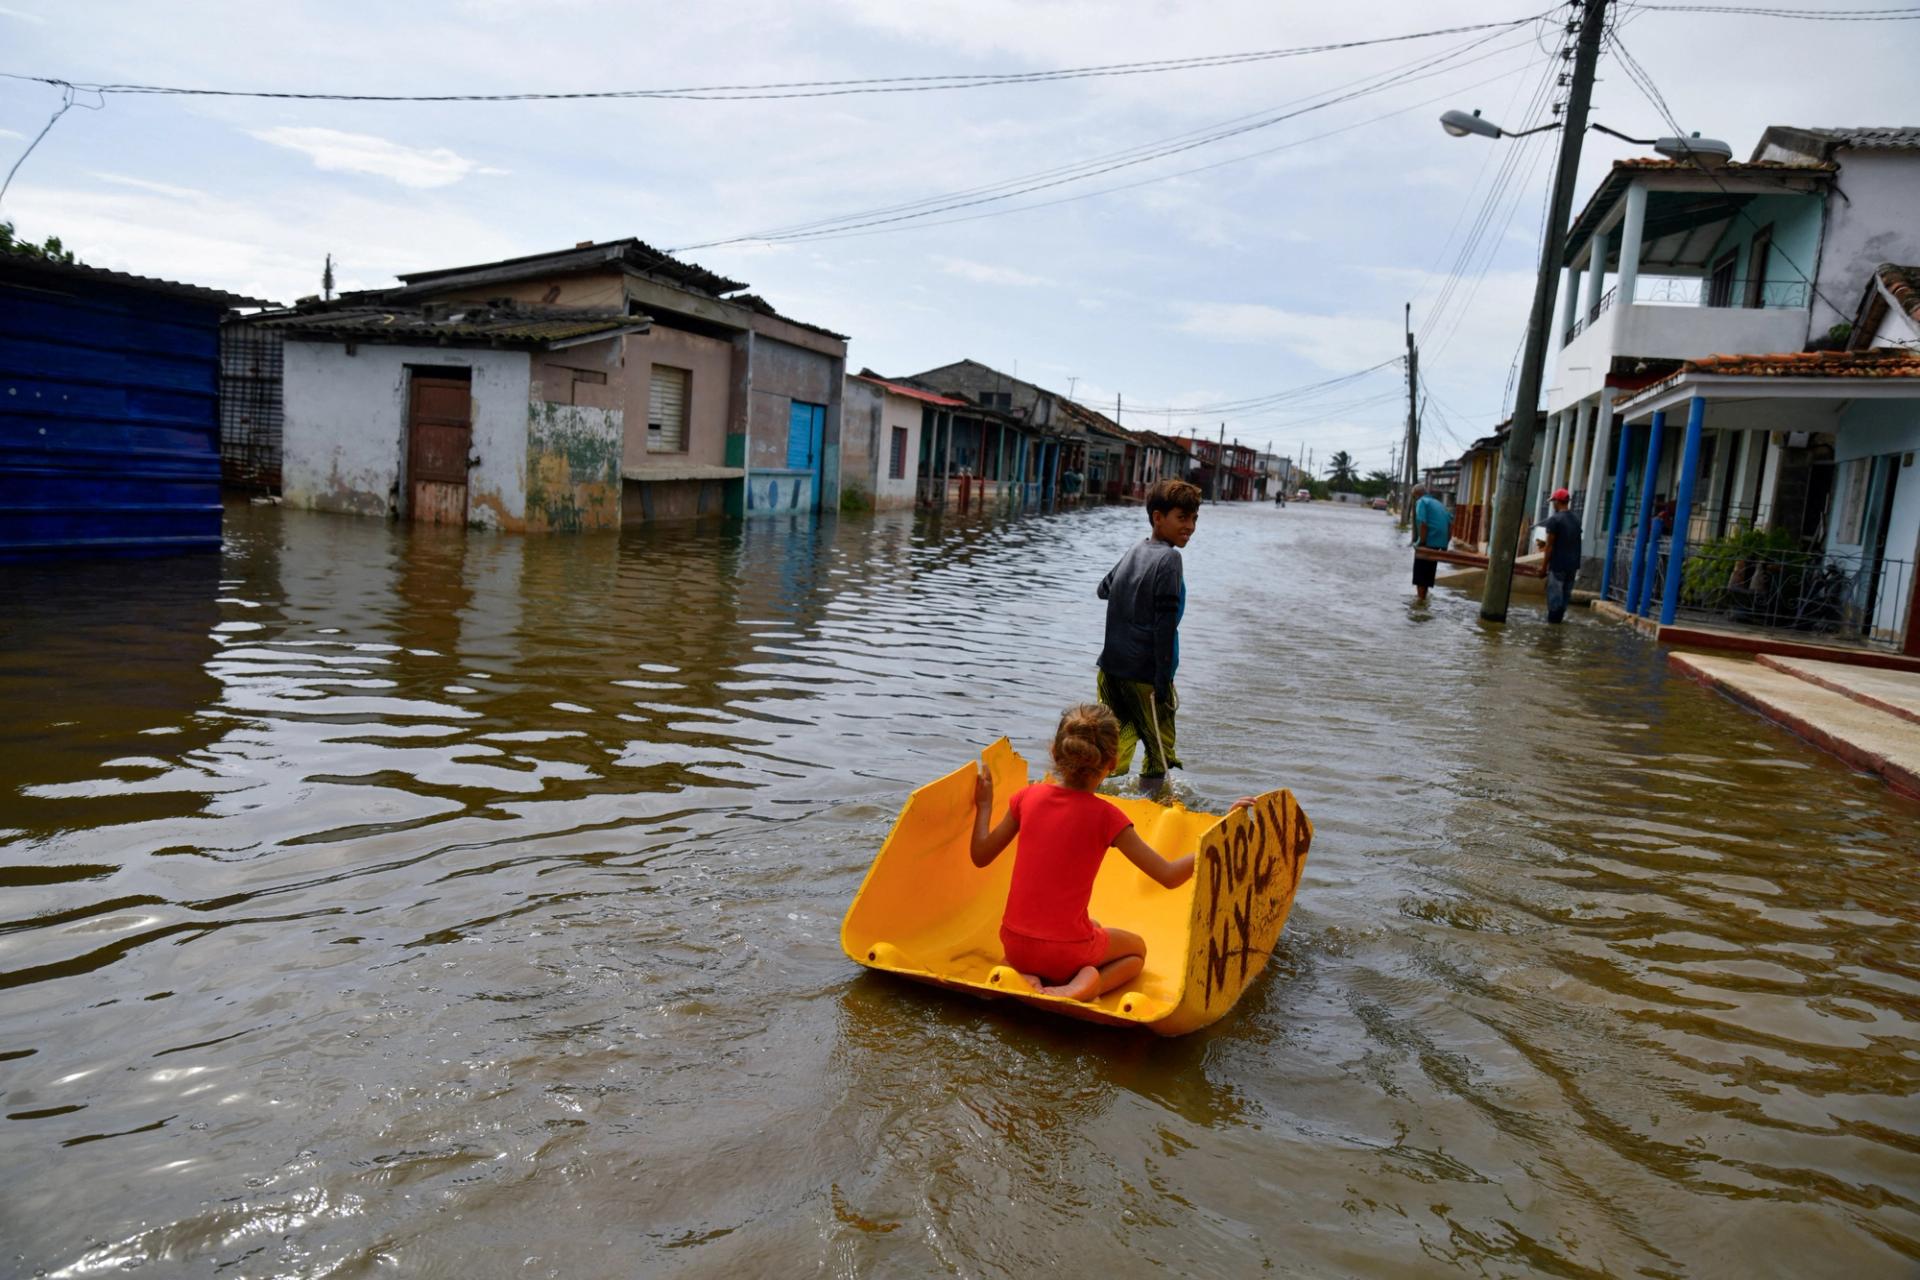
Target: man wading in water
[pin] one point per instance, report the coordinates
(1146, 593)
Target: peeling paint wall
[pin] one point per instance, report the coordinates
(345, 444)
(573, 467)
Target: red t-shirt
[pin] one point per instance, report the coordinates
(1064, 835)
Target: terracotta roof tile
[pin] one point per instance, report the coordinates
(1903, 284)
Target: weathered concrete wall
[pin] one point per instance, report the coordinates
(345, 444)
(573, 467)
(709, 362)
(862, 440)
(1876, 223)
(971, 379)
(781, 375)
(642, 502)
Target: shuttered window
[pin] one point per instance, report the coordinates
(897, 464)
(667, 410)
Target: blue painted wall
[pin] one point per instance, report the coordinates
(109, 438)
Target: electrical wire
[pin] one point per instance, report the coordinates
(1367, 86)
(1121, 154)
(820, 88)
(1644, 82)
(1908, 14)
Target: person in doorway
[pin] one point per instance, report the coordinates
(1562, 560)
(1146, 595)
(1432, 527)
(1066, 830)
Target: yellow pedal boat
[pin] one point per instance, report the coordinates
(926, 912)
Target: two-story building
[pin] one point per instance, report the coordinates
(1724, 290)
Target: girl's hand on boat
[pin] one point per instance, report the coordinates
(1244, 802)
(982, 788)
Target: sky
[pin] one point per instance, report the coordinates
(1275, 259)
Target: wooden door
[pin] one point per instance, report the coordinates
(439, 442)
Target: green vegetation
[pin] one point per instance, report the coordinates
(1340, 472)
(51, 249)
(1717, 573)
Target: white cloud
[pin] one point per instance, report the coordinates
(34, 18)
(1338, 342)
(337, 151)
(158, 188)
(987, 273)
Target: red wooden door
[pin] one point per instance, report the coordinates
(439, 439)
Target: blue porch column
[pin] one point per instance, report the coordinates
(1677, 547)
(1637, 572)
(1617, 508)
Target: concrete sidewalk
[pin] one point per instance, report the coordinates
(1870, 719)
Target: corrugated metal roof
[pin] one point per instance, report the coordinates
(1874, 137)
(20, 267)
(629, 251)
(477, 325)
(912, 393)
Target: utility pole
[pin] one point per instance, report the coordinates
(1220, 462)
(1516, 460)
(1410, 459)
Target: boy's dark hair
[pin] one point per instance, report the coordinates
(1173, 495)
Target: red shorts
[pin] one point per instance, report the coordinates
(1054, 961)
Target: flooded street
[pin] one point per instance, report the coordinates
(444, 904)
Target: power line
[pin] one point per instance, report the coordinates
(1644, 82)
(810, 88)
(1241, 158)
(1123, 153)
(1908, 14)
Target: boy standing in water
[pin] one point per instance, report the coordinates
(1146, 594)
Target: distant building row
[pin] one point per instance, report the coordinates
(599, 386)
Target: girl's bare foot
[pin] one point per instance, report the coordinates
(1084, 985)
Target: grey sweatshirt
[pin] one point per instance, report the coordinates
(1145, 594)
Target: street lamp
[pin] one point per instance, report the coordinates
(1708, 153)
(1460, 125)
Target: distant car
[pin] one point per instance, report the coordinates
(1379, 504)
(1302, 495)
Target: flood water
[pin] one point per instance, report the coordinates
(444, 904)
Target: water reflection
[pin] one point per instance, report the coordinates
(371, 895)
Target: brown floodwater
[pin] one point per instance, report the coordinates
(377, 902)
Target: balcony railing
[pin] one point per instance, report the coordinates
(1701, 291)
(1697, 291)
(1844, 596)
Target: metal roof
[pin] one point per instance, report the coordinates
(477, 325)
(587, 256)
(912, 393)
(40, 271)
(1823, 142)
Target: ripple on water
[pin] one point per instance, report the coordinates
(373, 897)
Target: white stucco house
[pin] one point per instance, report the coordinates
(502, 417)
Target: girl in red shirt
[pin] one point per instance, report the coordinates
(1047, 933)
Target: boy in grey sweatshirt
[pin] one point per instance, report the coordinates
(1146, 594)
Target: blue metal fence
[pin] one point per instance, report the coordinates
(109, 439)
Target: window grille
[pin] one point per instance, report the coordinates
(897, 464)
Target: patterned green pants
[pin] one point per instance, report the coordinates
(1144, 720)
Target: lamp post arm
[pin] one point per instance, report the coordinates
(1521, 133)
(1615, 133)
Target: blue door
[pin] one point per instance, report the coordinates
(806, 437)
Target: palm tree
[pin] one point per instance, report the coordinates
(1340, 473)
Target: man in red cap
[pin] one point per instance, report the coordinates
(1563, 555)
